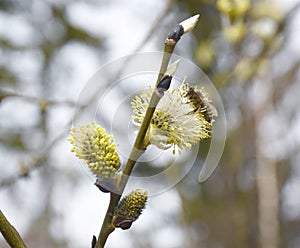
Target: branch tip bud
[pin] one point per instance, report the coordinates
(176, 33)
(189, 24)
(183, 28)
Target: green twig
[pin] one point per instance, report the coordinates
(10, 234)
(137, 151)
(107, 227)
(139, 145)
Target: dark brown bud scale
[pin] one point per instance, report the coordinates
(176, 33)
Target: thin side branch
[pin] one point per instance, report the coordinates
(10, 234)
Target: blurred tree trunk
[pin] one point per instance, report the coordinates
(266, 178)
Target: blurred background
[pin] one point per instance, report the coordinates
(249, 49)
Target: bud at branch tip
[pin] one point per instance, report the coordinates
(183, 28)
(189, 24)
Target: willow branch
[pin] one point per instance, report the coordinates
(10, 234)
(162, 84)
(137, 151)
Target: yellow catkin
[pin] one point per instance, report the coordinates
(96, 148)
(182, 118)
